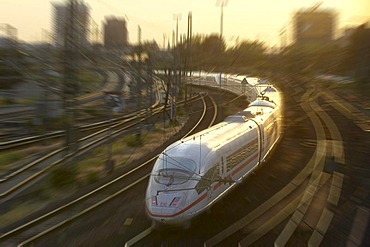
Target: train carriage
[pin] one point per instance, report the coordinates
(192, 174)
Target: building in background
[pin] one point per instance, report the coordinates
(314, 27)
(115, 33)
(62, 15)
(344, 39)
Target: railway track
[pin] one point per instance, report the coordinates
(113, 84)
(20, 179)
(296, 212)
(52, 220)
(296, 208)
(21, 142)
(299, 213)
(17, 180)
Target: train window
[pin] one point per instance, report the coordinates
(165, 162)
(270, 89)
(173, 170)
(263, 103)
(241, 154)
(236, 119)
(172, 176)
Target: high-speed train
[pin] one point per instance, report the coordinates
(192, 174)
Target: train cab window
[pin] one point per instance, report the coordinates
(270, 90)
(236, 119)
(262, 103)
(173, 170)
(172, 176)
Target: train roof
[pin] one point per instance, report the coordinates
(198, 147)
(217, 138)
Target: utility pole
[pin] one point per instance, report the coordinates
(222, 19)
(149, 92)
(188, 53)
(139, 80)
(177, 17)
(71, 87)
(188, 44)
(222, 4)
(177, 68)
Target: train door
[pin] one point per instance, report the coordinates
(222, 168)
(260, 142)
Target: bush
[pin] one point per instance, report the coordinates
(10, 157)
(62, 176)
(92, 177)
(134, 140)
(181, 111)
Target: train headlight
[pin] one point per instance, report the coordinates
(175, 201)
(154, 200)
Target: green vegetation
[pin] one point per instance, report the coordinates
(210, 53)
(29, 102)
(134, 140)
(7, 69)
(89, 81)
(6, 158)
(90, 168)
(63, 175)
(98, 151)
(6, 101)
(180, 111)
(92, 177)
(19, 212)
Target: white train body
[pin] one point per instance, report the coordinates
(192, 174)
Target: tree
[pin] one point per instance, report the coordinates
(247, 54)
(213, 49)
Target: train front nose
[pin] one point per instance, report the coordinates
(166, 208)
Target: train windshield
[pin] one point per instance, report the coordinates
(173, 170)
(262, 103)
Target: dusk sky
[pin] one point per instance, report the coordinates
(262, 19)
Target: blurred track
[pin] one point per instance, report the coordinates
(74, 210)
(305, 184)
(313, 191)
(24, 176)
(296, 200)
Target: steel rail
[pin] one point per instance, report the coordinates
(90, 208)
(298, 204)
(58, 134)
(88, 127)
(94, 140)
(149, 230)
